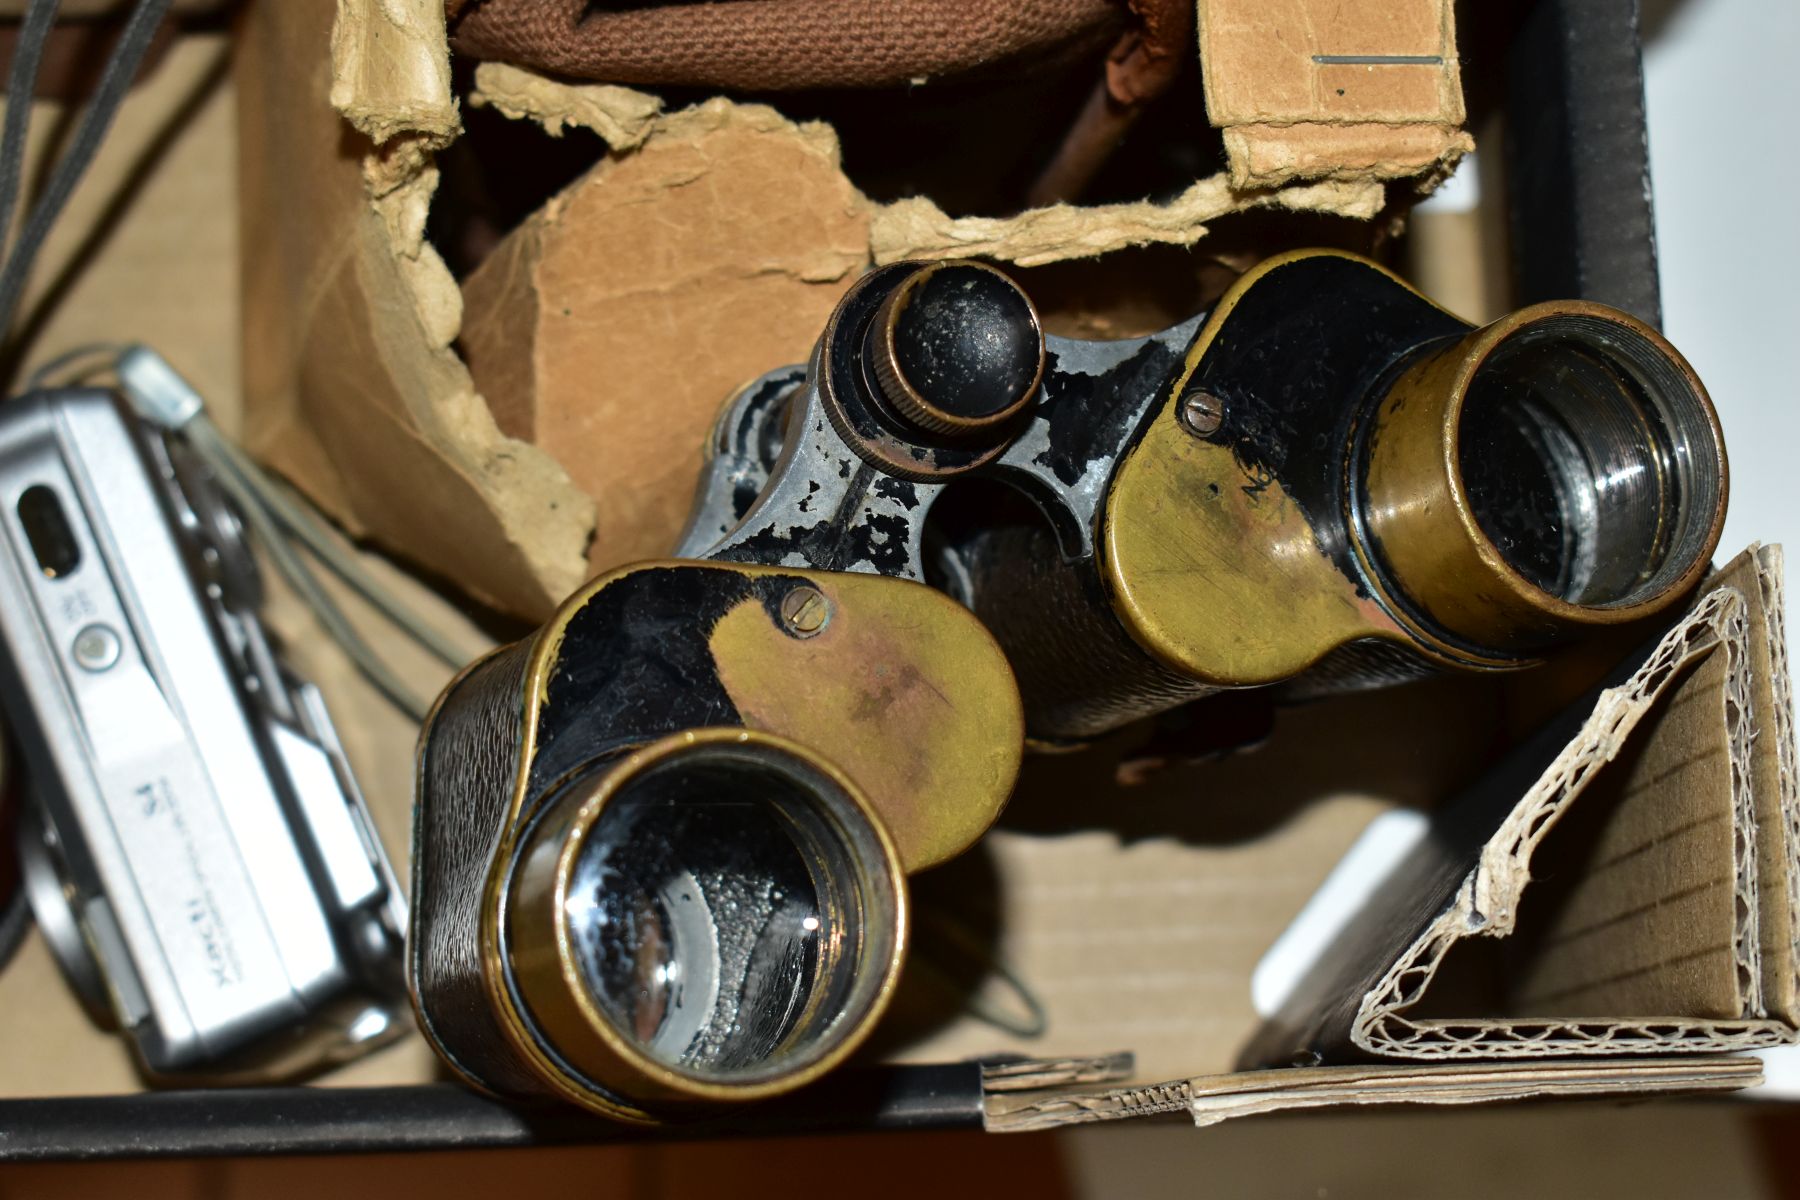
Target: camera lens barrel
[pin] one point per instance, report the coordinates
(1557, 470)
(719, 916)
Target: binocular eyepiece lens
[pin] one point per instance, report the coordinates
(1556, 470)
(730, 915)
(1588, 460)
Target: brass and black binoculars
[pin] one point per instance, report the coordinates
(662, 844)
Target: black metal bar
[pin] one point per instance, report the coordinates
(1577, 166)
(323, 1120)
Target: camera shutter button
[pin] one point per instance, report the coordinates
(96, 648)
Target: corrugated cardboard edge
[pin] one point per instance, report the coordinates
(1273, 155)
(1040, 1074)
(1211, 1099)
(917, 228)
(1769, 575)
(622, 116)
(1487, 903)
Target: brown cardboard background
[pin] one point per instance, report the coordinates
(1137, 915)
(1165, 886)
(732, 231)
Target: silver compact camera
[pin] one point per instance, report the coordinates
(195, 848)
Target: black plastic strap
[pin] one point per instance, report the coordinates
(1577, 167)
(21, 86)
(15, 923)
(121, 68)
(15, 906)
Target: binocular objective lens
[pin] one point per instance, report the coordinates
(717, 910)
(1589, 460)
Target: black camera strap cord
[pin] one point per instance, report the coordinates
(279, 523)
(282, 524)
(28, 54)
(21, 85)
(15, 923)
(15, 910)
(21, 88)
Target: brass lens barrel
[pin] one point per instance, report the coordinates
(718, 917)
(1559, 469)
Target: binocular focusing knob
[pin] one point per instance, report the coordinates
(956, 350)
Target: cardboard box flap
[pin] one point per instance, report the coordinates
(712, 252)
(1280, 62)
(1315, 89)
(1619, 906)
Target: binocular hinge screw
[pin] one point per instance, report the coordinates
(1202, 413)
(805, 611)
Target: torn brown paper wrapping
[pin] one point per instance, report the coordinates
(608, 328)
(356, 390)
(351, 386)
(1316, 89)
(915, 227)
